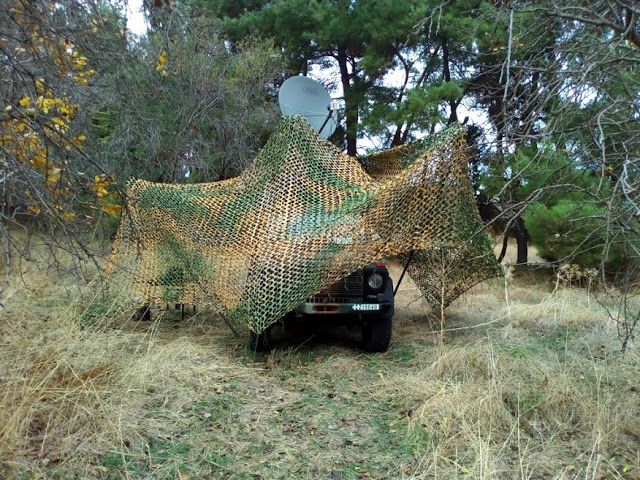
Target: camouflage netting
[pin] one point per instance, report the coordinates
(302, 216)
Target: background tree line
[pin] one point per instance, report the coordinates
(552, 87)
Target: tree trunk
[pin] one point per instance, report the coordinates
(446, 75)
(505, 244)
(521, 238)
(397, 138)
(351, 109)
(519, 231)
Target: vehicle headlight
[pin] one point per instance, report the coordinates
(375, 281)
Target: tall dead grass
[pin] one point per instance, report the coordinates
(535, 389)
(541, 391)
(79, 379)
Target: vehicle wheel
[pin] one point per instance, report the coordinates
(376, 333)
(142, 314)
(260, 342)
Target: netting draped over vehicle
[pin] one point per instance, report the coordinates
(302, 216)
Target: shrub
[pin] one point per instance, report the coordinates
(573, 230)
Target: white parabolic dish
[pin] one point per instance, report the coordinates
(306, 97)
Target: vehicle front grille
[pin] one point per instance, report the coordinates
(343, 291)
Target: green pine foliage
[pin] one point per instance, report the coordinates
(575, 231)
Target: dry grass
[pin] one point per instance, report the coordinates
(532, 389)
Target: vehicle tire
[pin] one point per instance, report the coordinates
(376, 333)
(142, 314)
(260, 342)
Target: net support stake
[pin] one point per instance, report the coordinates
(229, 324)
(406, 265)
(325, 121)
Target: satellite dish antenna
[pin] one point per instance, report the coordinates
(306, 97)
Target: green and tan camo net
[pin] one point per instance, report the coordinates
(302, 216)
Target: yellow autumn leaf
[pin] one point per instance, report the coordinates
(60, 124)
(78, 139)
(53, 174)
(44, 104)
(80, 80)
(35, 209)
(112, 209)
(39, 162)
(26, 101)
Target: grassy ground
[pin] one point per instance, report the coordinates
(522, 383)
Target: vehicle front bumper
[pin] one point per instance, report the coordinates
(355, 308)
